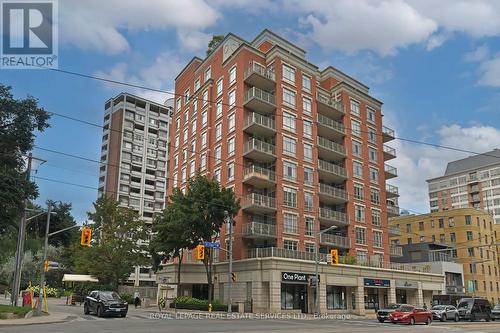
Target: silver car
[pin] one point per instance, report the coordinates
(445, 312)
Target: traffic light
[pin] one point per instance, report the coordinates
(86, 237)
(335, 256)
(200, 252)
(233, 277)
(46, 266)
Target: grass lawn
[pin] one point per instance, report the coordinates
(18, 311)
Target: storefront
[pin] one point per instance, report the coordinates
(406, 292)
(295, 289)
(376, 293)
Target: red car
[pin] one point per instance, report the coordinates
(408, 314)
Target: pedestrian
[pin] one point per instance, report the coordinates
(137, 301)
(425, 306)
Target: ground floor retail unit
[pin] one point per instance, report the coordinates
(286, 285)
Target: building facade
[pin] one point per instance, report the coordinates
(134, 156)
(470, 232)
(470, 182)
(302, 148)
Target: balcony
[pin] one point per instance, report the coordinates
(329, 217)
(259, 125)
(259, 204)
(332, 195)
(260, 100)
(331, 172)
(259, 230)
(395, 251)
(387, 134)
(390, 171)
(329, 150)
(335, 241)
(260, 150)
(391, 191)
(394, 231)
(329, 107)
(474, 189)
(392, 211)
(259, 177)
(455, 289)
(389, 153)
(329, 128)
(258, 76)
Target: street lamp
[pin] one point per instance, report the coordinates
(318, 234)
(230, 251)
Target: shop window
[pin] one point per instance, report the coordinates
(336, 298)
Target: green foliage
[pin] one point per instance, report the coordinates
(212, 45)
(128, 298)
(61, 219)
(19, 312)
(116, 248)
(84, 288)
(51, 292)
(191, 303)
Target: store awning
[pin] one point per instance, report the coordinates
(79, 278)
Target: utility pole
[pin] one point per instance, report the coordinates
(42, 272)
(230, 270)
(16, 285)
(318, 234)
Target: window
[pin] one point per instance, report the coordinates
(177, 123)
(442, 238)
(469, 236)
(375, 196)
(289, 146)
(420, 226)
(336, 298)
(307, 129)
(218, 132)
(308, 201)
(377, 238)
(232, 98)
(472, 268)
(356, 148)
(205, 98)
(468, 220)
(178, 105)
(309, 227)
(208, 74)
(186, 96)
(289, 97)
(356, 128)
(360, 236)
(289, 74)
(306, 83)
(231, 122)
(195, 106)
(185, 135)
(355, 107)
(361, 257)
(204, 119)
(453, 237)
(372, 154)
(290, 245)
(183, 175)
(219, 87)
(370, 115)
(289, 122)
(357, 169)
(193, 128)
(376, 221)
(289, 170)
(359, 213)
(203, 140)
(217, 175)
(308, 152)
(218, 109)
(290, 197)
(374, 175)
(306, 105)
(358, 192)
(232, 75)
(308, 176)
(309, 247)
(470, 251)
(192, 169)
(218, 154)
(372, 135)
(230, 147)
(230, 172)
(441, 223)
(203, 162)
(289, 223)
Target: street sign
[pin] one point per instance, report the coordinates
(212, 245)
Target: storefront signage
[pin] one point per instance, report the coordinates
(377, 283)
(296, 277)
(406, 284)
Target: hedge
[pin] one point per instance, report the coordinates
(190, 303)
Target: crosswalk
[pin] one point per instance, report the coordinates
(95, 318)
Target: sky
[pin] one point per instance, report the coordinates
(434, 64)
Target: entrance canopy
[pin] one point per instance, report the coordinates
(78, 278)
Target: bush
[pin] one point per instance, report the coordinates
(51, 292)
(128, 298)
(190, 303)
(83, 289)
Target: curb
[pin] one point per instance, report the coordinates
(55, 321)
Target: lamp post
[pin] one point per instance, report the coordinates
(318, 234)
(230, 252)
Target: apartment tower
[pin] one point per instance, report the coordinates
(302, 148)
(134, 156)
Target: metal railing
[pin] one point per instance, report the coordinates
(332, 191)
(391, 189)
(394, 231)
(262, 172)
(255, 92)
(333, 215)
(259, 200)
(388, 131)
(330, 123)
(390, 169)
(396, 250)
(389, 150)
(330, 145)
(325, 99)
(333, 168)
(336, 240)
(255, 228)
(393, 209)
(261, 70)
(255, 118)
(255, 144)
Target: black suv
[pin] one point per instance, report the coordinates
(474, 309)
(105, 303)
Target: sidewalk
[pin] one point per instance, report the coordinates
(54, 317)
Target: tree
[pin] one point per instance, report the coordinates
(117, 232)
(61, 219)
(212, 45)
(19, 119)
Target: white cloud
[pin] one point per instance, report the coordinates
(99, 25)
(489, 71)
(416, 163)
(479, 54)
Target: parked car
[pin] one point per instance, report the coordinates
(495, 313)
(104, 303)
(445, 312)
(383, 314)
(408, 314)
(474, 309)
